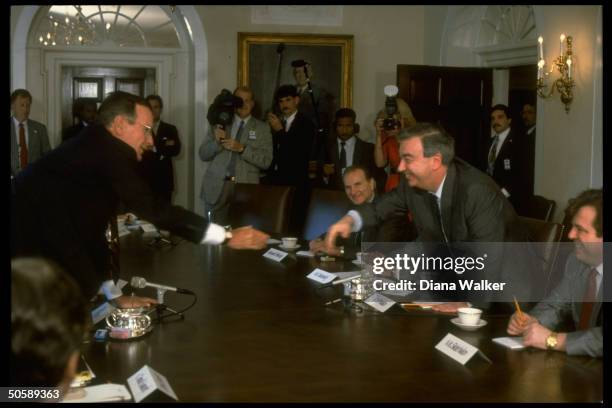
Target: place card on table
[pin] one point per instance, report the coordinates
(456, 348)
(321, 276)
(147, 382)
(275, 254)
(514, 343)
(379, 302)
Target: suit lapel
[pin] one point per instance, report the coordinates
(357, 151)
(506, 146)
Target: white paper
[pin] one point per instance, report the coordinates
(514, 343)
(321, 276)
(272, 241)
(100, 312)
(275, 254)
(456, 348)
(146, 227)
(342, 275)
(379, 302)
(100, 393)
(306, 254)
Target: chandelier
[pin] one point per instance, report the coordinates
(69, 30)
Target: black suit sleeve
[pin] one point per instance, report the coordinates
(169, 134)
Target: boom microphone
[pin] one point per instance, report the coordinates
(138, 282)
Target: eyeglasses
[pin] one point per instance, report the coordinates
(148, 130)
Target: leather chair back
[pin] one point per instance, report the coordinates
(538, 207)
(325, 208)
(265, 207)
(547, 235)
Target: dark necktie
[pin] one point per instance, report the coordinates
(231, 168)
(588, 301)
(112, 239)
(23, 147)
(284, 122)
(492, 154)
(436, 209)
(342, 157)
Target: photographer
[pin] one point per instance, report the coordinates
(237, 145)
(395, 117)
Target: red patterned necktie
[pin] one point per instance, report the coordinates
(23, 147)
(588, 301)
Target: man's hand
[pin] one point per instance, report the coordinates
(248, 238)
(342, 228)
(378, 124)
(130, 302)
(535, 335)
(449, 307)
(518, 324)
(328, 169)
(220, 134)
(232, 145)
(316, 245)
(274, 122)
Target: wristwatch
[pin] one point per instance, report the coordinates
(551, 341)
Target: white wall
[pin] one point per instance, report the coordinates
(569, 144)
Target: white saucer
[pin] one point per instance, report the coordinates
(480, 324)
(356, 262)
(281, 246)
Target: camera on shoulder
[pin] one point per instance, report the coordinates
(221, 112)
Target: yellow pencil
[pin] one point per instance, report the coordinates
(518, 308)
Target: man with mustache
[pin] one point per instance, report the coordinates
(507, 159)
(451, 201)
(293, 136)
(580, 292)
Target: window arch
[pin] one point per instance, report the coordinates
(128, 26)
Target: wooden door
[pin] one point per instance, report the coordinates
(457, 98)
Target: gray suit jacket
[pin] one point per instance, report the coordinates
(475, 213)
(257, 156)
(38, 143)
(566, 301)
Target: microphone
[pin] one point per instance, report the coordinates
(140, 283)
(339, 281)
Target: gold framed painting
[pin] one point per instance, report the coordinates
(264, 62)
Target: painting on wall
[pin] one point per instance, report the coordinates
(265, 62)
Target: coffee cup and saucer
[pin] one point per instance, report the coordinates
(469, 319)
(289, 244)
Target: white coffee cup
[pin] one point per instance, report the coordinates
(289, 242)
(359, 257)
(469, 316)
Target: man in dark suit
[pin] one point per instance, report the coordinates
(579, 294)
(85, 110)
(451, 202)
(62, 204)
(292, 138)
(529, 115)
(506, 159)
(318, 105)
(360, 189)
(157, 164)
(346, 149)
(29, 139)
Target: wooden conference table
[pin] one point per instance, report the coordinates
(260, 332)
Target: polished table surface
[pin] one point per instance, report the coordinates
(260, 332)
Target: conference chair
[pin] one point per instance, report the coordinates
(265, 207)
(547, 235)
(538, 207)
(325, 208)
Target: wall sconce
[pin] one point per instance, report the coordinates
(564, 84)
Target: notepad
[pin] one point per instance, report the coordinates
(514, 343)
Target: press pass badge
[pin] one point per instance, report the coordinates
(252, 135)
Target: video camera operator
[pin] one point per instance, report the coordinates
(237, 146)
(389, 121)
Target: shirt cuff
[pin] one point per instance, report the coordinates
(505, 192)
(215, 234)
(110, 290)
(357, 221)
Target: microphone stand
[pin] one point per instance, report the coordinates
(320, 135)
(160, 307)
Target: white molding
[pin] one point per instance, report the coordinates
(19, 43)
(505, 55)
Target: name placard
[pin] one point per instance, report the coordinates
(379, 302)
(321, 276)
(101, 312)
(147, 381)
(275, 254)
(456, 348)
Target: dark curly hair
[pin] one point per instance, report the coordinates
(592, 197)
